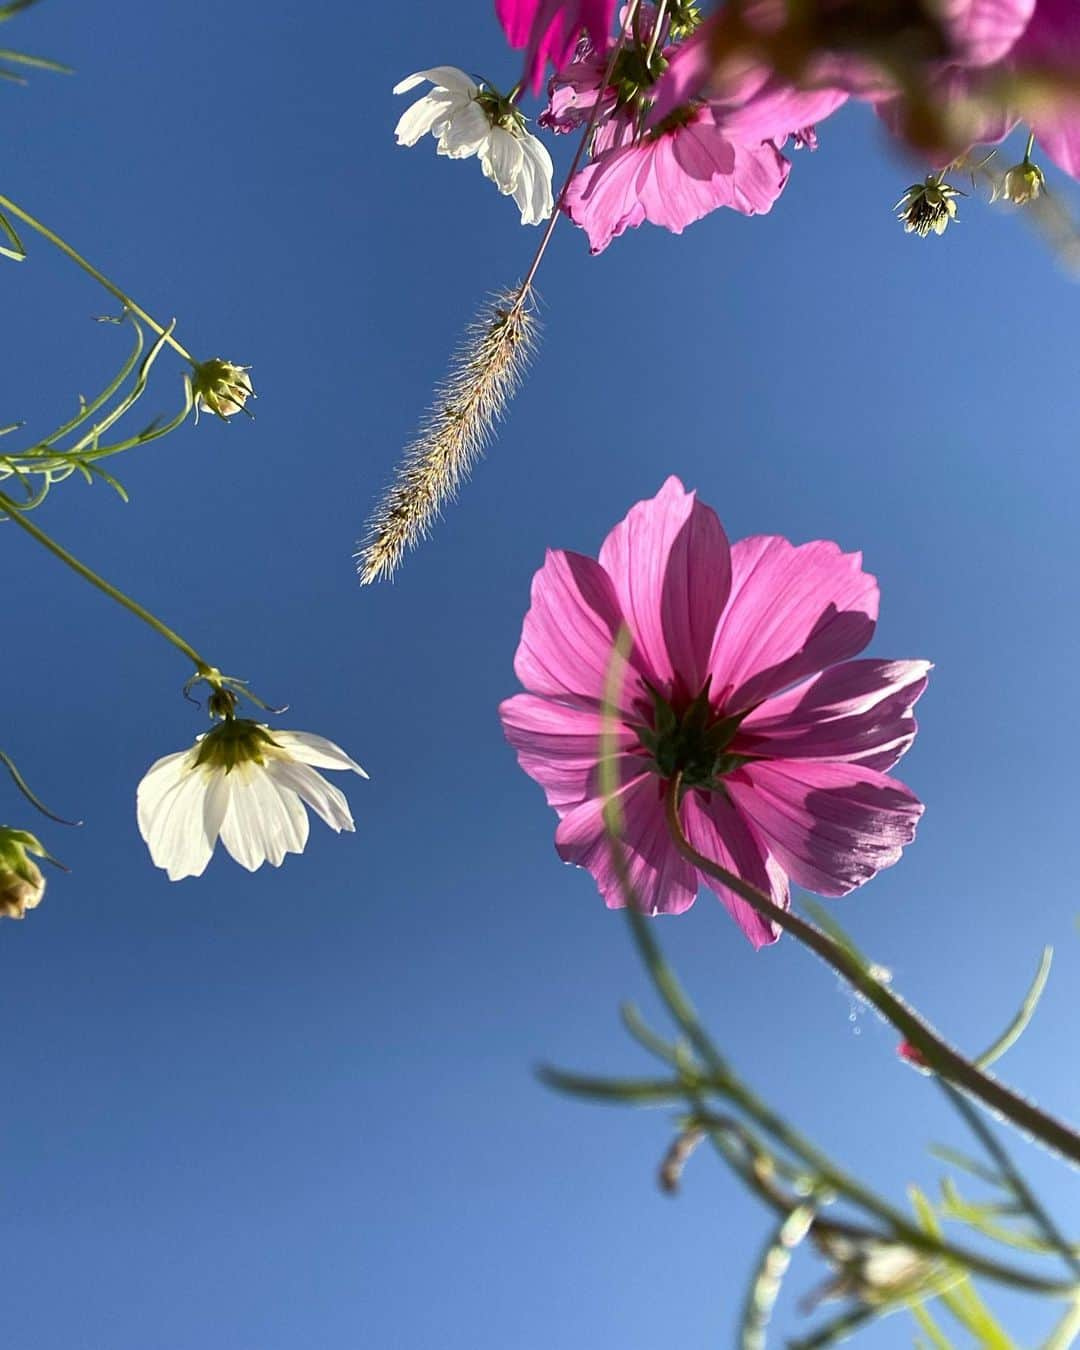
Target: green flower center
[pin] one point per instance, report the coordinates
(694, 743)
(235, 741)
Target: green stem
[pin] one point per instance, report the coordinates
(12, 511)
(586, 136)
(1030, 147)
(941, 1056)
(99, 277)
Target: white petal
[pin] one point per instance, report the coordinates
(466, 132)
(443, 77)
(317, 750)
(533, 191)
(176, 833)
(323, 798)
(294, 819)
(160, 778)
(422, 117)
(502, 158)
(255, 821)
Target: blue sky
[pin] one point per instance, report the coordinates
(299, 1108)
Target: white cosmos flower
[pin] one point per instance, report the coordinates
(247, 784)
(467, 120)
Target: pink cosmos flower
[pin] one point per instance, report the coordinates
(839, 58)
(1049, 46)
(549, 29)
(739, 676)
(671, 177)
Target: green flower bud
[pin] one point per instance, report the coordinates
(220, 387)
(1023, 183)
(927, 206)
(21, 882)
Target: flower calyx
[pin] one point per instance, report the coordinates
(237, 740)
(694, 744)
(21, 882)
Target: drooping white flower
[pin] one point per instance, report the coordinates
(247, 784)
(468, 120)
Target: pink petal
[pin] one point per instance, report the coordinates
(568, 638)
(549, 29)
(775, 111)
(793, 611)
(830, 826)
(716, 829)
(859, 711)
(660, 882)
(670, 565)
(1060, 139)
(559, 747)
(602, 198)
(983, 31)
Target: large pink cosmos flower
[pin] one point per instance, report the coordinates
(732, 679)
(549, 29)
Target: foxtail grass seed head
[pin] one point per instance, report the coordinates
(21, 882)
(928, 206)
(221, 388)
(483, 377)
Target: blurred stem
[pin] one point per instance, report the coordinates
(721, 1079)
(939, 1055)
(1010, 1174)
(99, 277)
(12, 511)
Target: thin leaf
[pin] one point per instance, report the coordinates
(17, 252)
(38, 62)
(1066, 1331)
(1018, 1025)
(938, 1339)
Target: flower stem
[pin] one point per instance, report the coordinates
(941, 1056)
(1030, 146)
(586, 137)
(99, 277)
(12, 511)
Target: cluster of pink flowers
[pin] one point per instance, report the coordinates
(694, 116)
(737, 685)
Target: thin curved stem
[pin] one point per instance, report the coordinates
(586, 137)
(939, 1055)
(12, 511)
(99, 277)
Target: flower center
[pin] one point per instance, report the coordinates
(235, 741)
(694, 743)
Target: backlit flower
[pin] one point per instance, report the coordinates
(468, 120)
(671, 177)
(928, 206)
(247, 784)
(731, 680)
(549, 29)
(220, 387)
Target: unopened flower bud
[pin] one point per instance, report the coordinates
(928, 206)
(1023, 183)
(220, 387)
(21, 882)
